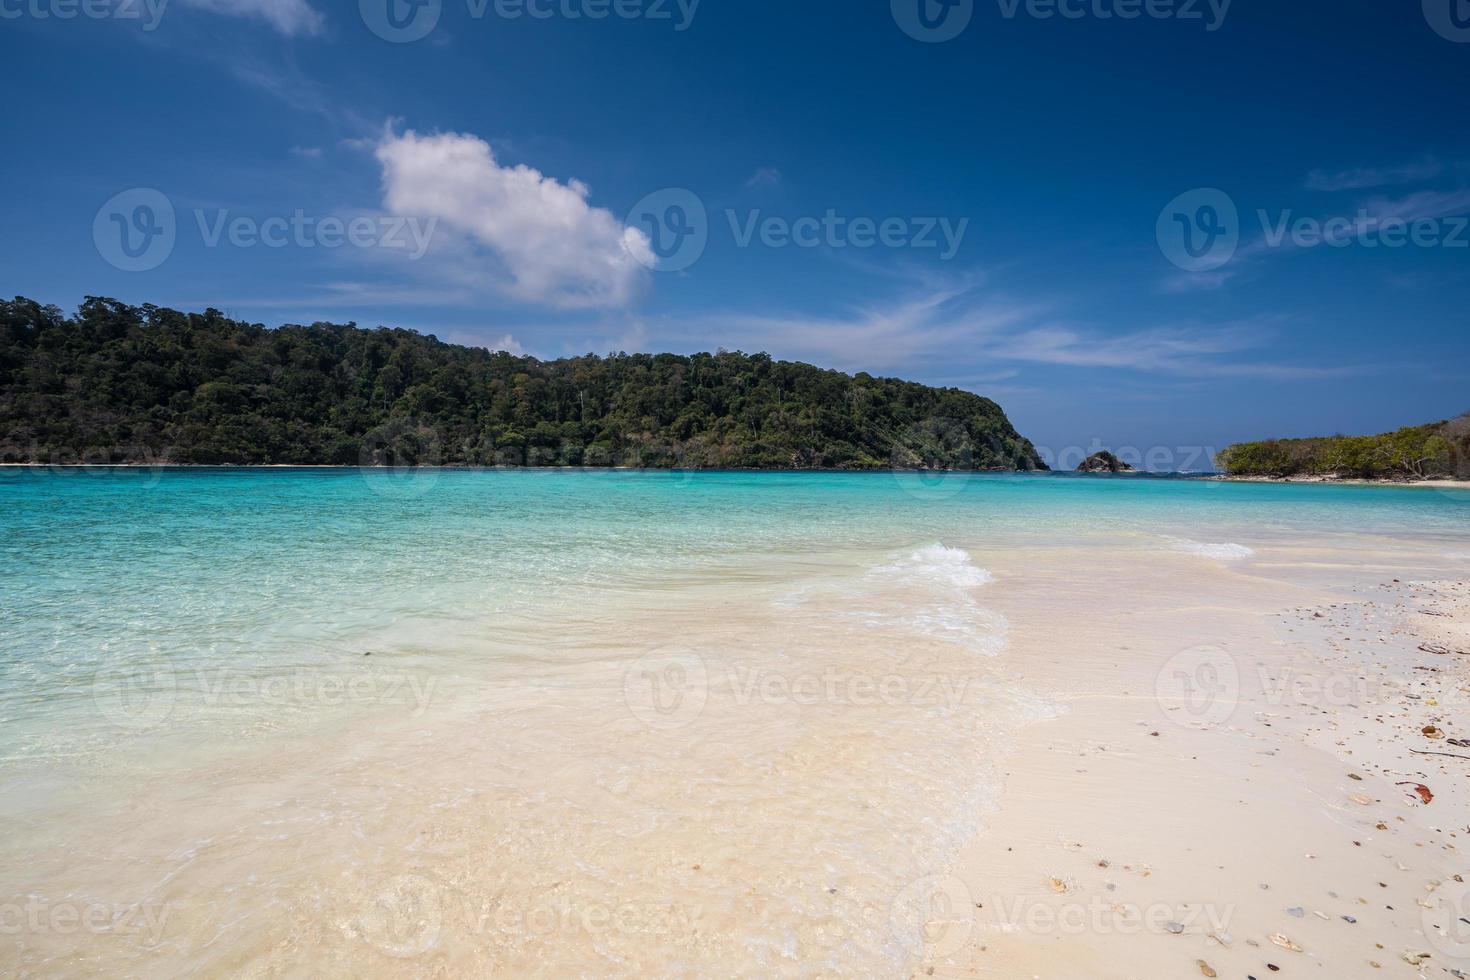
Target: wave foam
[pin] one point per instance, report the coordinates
(937, 562)
(1226, 551)
(927, 594)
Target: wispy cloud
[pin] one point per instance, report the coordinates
(925, 332)
(1365, 177)
(1419, 206)
(290, 17)
(764, 177)
(1275, 233)
(1190, 282)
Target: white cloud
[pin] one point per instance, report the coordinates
(553, 247)
(1364, 177)
(290, 17)
(507, 344)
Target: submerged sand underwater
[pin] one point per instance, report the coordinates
(727, 724)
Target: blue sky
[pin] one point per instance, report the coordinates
(1002, 210)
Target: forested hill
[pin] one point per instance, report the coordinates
(119, 383)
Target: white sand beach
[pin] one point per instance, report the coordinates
(1234, 790)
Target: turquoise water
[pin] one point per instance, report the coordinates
(291, 710)
(110, 568)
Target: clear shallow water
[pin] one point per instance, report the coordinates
(323, 721)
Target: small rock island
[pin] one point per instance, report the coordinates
(1104, 462)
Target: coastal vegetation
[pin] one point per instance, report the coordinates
(143, 384)
(1438, 450)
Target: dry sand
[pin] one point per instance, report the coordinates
(1232, 791)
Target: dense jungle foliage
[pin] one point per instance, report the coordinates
(144, 384)
(1420, 452)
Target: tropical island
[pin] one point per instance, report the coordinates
(1438, 451)
(122, 384)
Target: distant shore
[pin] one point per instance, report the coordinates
(1432, 484)
(1215, 477)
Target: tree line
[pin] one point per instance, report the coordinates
(1420, 452)
(117, 383)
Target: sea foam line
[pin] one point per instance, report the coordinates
(1224, 551)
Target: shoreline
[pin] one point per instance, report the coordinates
(465, 467)
(1433, 484)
